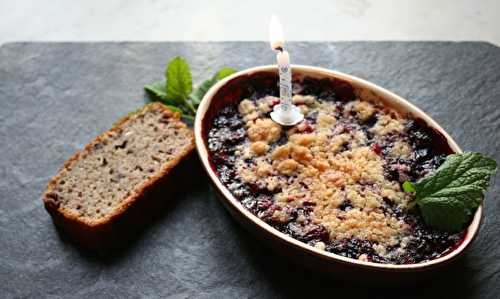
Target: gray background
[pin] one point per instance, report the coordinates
(55, 97)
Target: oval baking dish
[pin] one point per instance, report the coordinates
(229, 90)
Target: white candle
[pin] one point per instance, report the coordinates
(285, 74)
(285, 113)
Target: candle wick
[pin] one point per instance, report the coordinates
(279, 49)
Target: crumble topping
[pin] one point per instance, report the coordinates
(333, 180)
(327, 168)
(387, 124)
(263, 129)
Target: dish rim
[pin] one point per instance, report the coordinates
(381, 92)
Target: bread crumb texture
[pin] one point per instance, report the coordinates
(120, 163)
(329, 165)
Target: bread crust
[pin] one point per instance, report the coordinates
(103, 233)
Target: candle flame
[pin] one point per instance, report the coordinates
(276, 37)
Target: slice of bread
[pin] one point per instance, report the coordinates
(98, 186)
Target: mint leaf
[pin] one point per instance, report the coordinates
(445, 214)
(157, 89)
(224, 72)
(200, 92)
(179, 81)
(449, 196)
(408, 187)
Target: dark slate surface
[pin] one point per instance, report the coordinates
(55, 97)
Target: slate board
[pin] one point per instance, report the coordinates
(55, 97)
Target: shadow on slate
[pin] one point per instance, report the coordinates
(55, 97)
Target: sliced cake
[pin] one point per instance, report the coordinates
(95, 189)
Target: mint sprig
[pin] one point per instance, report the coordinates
(176, 91)
(449, 196)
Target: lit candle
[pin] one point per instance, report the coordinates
(285, 113)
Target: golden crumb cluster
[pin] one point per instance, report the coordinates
(328, 164)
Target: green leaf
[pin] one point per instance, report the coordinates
(157, 89)
(445, 214)
(179, 81)
(224, 72)
(408, 187)
(200, 92)
(449, 196)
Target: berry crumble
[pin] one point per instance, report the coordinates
(333, 181)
